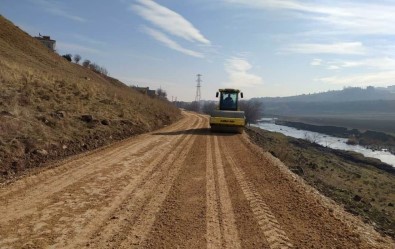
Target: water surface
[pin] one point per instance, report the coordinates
(326, 140)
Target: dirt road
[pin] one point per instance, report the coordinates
(180, 187)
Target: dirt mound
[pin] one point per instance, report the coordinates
(51, 108)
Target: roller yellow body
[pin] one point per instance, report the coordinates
(227, 121)
(228, 117)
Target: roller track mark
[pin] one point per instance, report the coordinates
(143, 224)
(133, 158)
(74, 172)
(271, 229)
(213, 225)
(175, 195)
(230, 235)
(146, 198)
(44, 190)
(78, 162)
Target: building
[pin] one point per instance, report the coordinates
(145, 90)
(46, 40)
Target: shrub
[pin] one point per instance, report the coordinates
(67, 57)
(77, 58)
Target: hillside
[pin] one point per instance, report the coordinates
(294, 108)
(371, 108)
(51, 108)
(347, 94)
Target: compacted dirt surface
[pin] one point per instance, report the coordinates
(179, 187)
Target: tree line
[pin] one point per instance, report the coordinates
(86, 63)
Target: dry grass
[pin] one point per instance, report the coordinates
(36, 84)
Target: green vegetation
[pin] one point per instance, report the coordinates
(364, 186)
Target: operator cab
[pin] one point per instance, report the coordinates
(229, 99)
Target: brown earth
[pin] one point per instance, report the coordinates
(51, 108)
(179, 187)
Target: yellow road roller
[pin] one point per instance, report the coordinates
(228, 117)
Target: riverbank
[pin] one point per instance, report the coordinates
(364, 186)
(373, 140)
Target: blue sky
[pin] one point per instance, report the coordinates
(263, 47)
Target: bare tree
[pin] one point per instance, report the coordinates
(161, 93)
(312, 137)
(194, 106)
(86, 63)
(209, 107)
(94, 67)
(253, 110)
(77, 58)
(103, 71)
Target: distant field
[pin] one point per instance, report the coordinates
(376, 122)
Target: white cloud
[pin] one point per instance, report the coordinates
(238, 72)
(89, 40)
(385, 63)
(373, 18)
(384, 78)
(283, 4)
(164, 39)
(333, 67)
(356, 48)
(55, 9)
(169, 21)
(316, 62)
(381, 63)
(76, 48)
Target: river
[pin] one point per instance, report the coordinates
(325, 140)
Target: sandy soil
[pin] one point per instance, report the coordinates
(180, 187)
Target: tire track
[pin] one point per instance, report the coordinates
(274, 234)
(145, 221)
(136, 214)
(181, 222)
(49, 204)
(73, 165)
(212, 220)
(174, 189)
(229, 232)
(40, 193)
(109, 212)
(79, 162)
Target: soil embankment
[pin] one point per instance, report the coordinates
(51, 108)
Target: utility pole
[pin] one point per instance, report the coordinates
(198, 96)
